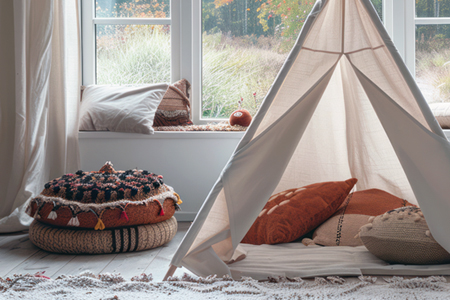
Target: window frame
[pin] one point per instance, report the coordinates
(186, 40)
(186, 48)
(402, 28)
(89, 22)
(424, 21)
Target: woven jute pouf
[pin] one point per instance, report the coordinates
(85, 241)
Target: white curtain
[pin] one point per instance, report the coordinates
(44, 116)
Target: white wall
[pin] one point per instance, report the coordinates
(7, 90)
(189, 161)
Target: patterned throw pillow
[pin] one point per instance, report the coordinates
(344, 224)
(290, 214)
(174, 109)
(401, 236)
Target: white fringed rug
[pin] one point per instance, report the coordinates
(113, 286)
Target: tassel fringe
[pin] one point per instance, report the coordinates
(74, 222)
(52, 215)
(161, 212)
(100, 225)
(123, 216)
(178, 198)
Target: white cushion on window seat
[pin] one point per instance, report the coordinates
(441, 112)
(119, 108)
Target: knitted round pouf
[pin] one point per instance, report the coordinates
(89, 241)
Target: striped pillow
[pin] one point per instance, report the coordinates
(174, 109)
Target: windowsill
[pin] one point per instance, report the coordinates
(161, 135)
(174, 135)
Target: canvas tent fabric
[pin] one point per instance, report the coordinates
(343, 105)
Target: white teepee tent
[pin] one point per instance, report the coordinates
(343, 105)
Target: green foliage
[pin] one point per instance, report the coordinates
(378, 5)
(234, 18)
(289, 14)
(132, 9)
(432, 37)
(432, 8)
(232, 71)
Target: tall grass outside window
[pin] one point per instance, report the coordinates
(433, 51)
(244, 45)
(132, 54)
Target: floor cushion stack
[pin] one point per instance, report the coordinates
(104, 212)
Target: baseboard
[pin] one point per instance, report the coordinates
(185, 216)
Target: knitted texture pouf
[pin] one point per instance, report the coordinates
(89, 241)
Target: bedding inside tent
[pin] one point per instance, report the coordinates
(343, 105)
(297, 260)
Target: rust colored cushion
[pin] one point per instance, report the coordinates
(174, 109)
(343, 226)
(290, 214)
(105, 199)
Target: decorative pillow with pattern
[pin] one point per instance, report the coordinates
(293, 213)
(342, 227)
(402, 236)
(174, 109)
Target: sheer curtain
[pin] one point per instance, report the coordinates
(44, 116)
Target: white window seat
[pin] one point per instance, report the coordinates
(189, 161)
(447, 133)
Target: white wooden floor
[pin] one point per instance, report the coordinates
(19, 256)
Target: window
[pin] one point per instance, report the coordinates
(432, 49)
(129, 41)
(421, 33)
(245, 43)
(241, 42)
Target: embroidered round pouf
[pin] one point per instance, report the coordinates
(90, 241)
(105, 211)
(105, 199)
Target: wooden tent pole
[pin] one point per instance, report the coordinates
(170, 272)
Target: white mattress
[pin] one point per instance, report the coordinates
(297, 260)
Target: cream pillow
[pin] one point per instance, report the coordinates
(401, 236)
(118, 108)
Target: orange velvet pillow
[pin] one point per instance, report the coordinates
(290, 214)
